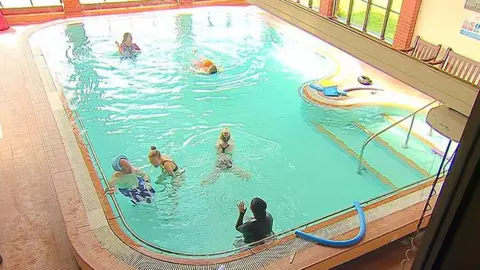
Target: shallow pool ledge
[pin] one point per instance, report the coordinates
(99, 241)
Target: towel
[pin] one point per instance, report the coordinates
(116, 162)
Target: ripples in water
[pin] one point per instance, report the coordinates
(156, 99)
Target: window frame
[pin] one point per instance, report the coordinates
(32, 5)
(388, 10)
(309, 4)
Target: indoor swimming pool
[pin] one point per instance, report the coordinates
(284, 143)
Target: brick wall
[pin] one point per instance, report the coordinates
(326, 7)
(72, 6)
(406, 23)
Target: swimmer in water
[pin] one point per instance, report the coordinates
(130, 181)
(225, 146)
(257, 228)
(204, 65)
(127, 48)
(169, 167)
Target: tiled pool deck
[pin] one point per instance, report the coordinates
(32, 160)
(51, 205)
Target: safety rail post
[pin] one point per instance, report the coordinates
(409, 131)
(369, 139)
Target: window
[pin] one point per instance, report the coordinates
(28, 3)
(378, 18)
(313, 4)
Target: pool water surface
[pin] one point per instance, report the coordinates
(129, 105)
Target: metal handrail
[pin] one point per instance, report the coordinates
(373, 136)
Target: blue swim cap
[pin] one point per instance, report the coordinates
(116, 162)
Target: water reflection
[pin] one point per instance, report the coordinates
(79, 56)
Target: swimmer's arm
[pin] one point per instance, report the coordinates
(168, 169)
(112, 183)
(142, 174)
(239, 226)
(119, 47)
(231, 147)
(218, 148)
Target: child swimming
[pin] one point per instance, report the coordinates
(204, 65)
(169, 167)
(130, 181)
(127, 48)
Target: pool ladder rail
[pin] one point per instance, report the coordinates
(373, 136)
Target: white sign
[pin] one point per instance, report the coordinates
(471, 28)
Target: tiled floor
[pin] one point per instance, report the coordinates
(389, 257)
(32, 232)
(32, 156)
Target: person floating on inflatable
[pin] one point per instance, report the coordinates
(204, 65)
(167, 164)
(127, 48)
(131, 182)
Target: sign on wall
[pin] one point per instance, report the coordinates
(471, 28)
(473, 5)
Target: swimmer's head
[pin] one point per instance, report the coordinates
(259, 208)
(154, 156)
(212, 69)
(127, 37)
(225, 135)
(126, 167)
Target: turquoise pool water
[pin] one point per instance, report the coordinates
(127, 106)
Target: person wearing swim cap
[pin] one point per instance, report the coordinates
(169, 167)
(130, 181)
(257, 228)
(224, 148)
(204, 65)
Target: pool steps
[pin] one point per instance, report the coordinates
(420, 150)
(419, 137)
(379, 158)
(387, 145)
(377, 174)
